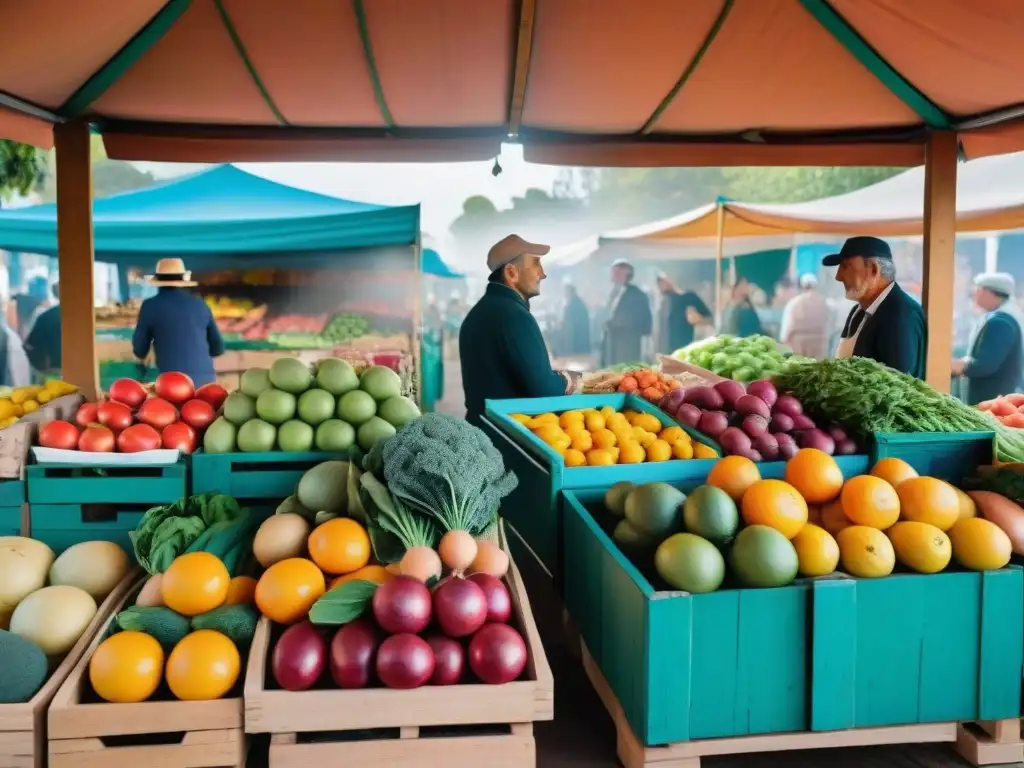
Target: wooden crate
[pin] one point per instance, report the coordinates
(23, 726)
(167, 734)
(430, 726)
(990, 742)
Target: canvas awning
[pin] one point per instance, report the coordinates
(579, 82)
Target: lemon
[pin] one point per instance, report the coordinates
(569, 418)
(604, 438)
(30, 406)
(682, 449)
(659, 450)
(647, 438)
(673, 435)
(598, 457)
(574, 458)
(520, 418)
(546, 417)
(594, 421)
(631, 452)
(607, 411)
(582, 441)
(701, 451)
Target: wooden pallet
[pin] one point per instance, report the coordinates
(149, 734)
(634, 754)
(990, 742)
(449, 726)
(23, 726)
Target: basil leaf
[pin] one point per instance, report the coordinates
(387, 547)
(343, 604)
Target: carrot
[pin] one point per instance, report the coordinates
(653, 394)
(1015, 420)
(1016, 399)
(985, 405)
(1002, 408)
(628, 384)
(646, 378)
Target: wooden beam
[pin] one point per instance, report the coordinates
(719, 250)
(75, 257)
(940, 167)
(521, 64)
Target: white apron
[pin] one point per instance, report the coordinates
(845, 348)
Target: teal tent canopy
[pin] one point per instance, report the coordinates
(220, 218)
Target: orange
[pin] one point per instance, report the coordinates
(659, 450)
(833, 519)
(605, 412)
(647, 421)
(733, 474)
(375, 573)
(646, 438)
(929, 500)
(816, 551)
(865, 552)
(570, 418)
(604, 438)
(673, 435)
(241, 591)
(682, 449)
(814, 514)
(340, 545)
(203, 666)
(815, 475)
(593, 420)
(920, 547)
(980, 544)
(195, 583)
(126, 668)
(702, 451)
(776, 504)
(582, 442)
(894, 471)
(600, 457)
(967, 506)
(631, 452)
(871, 501)
(287, 590)
(574, 458)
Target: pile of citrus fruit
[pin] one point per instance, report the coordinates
(601, 438)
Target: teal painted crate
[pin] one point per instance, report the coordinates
(111, 484)
(686, 667)
(946, 455)
(268, 477)
(63, 525)
(12, 497)
(916, 649)
(10, 521)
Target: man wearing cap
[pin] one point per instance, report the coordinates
(177, 325)
(805, 321)
(995, 363)
(629, 318)
(501, 348)
(887, 325)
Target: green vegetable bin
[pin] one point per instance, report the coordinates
(12, 497)
(820, 655)
(946, 455)
(60, 526)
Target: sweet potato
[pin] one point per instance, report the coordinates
(1004, 513)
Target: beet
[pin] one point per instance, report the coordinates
(497, 654)
(730, 391)
(688, 414)
(405, 661)
(672, 400)
(754, 425)
(402, 605)
(352, 651)
(705, 398)
(802, 422)
(755, 455)
(752, 404)
(299, 657)
(816, 438)
(499, 602)
(845, 447)
(460, 607)
(837, 433)
(788, 405)
(767, 445)
(449, 660)
(765, 390)
(734, 441)
(780, 422)
(787, 445)
(713, 423)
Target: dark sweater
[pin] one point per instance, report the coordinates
(996, 360)
(43, 343)
(182, 331)
(503, 353)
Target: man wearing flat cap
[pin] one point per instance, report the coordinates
(501, 347)
(887, 325)
(995, 363)
(629, 318)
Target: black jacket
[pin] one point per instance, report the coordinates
(996, 359)
(895, 335)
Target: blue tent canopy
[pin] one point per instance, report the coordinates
(219, 218)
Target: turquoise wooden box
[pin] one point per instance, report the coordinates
(63, 525)
(257, 479)
(12, 497)
(946, 455)
(110, 484)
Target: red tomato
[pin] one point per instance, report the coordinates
(138, 437)
(174, 387)
(96, 439)
(87, 414)
(117, 416)
(59, 434)
(198, 414)
(158, 413)
(127, 391)
(212, 393)
(179, 435)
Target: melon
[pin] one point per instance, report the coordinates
(655, 509)
(711, 513)
(24, 566)
(690, 563)
(54, 618)
(96, 567)
(763, 557)
(615, 497)
(631, 541)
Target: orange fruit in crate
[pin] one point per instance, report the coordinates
(929, 500)
(126, 668)
(816, 551)
(702, 451)
(682, 449)
(776, 504)
(894, 471)
(920, 547)
(599, 457)
(375, 573)
(865, 552)
(833, 519)
(574, 458)
(203, 666)
(195, 583)
(733, 474)
(673, 435)
(967, 506)
(287, 590)
(339, 546)
(871, 501)
(980, 544)
(604, 438)
(815, 475)
(631, 452)
(659, 450)
(241, 591)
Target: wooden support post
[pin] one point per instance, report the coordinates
(719, 250)
(75, 257)
(939, 253)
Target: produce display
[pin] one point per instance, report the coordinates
(1008, 409)
(739, 530)
(291, 407)
(739, 359)
(865, 396)
(601, 438)
(648, 383)
(754, 421)
(131, 419)
(18, 401)
(46, 605)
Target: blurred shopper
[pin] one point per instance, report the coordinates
(805, 321)
(27, 304)
(43, 337)
(995, 363)
(683, 312)
(575, 324)
(741, 318)
(629, 318)
(177, 326)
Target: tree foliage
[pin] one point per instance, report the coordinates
(22, 167)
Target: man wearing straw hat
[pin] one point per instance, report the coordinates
(177, 326)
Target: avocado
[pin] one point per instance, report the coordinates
(23, 670)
